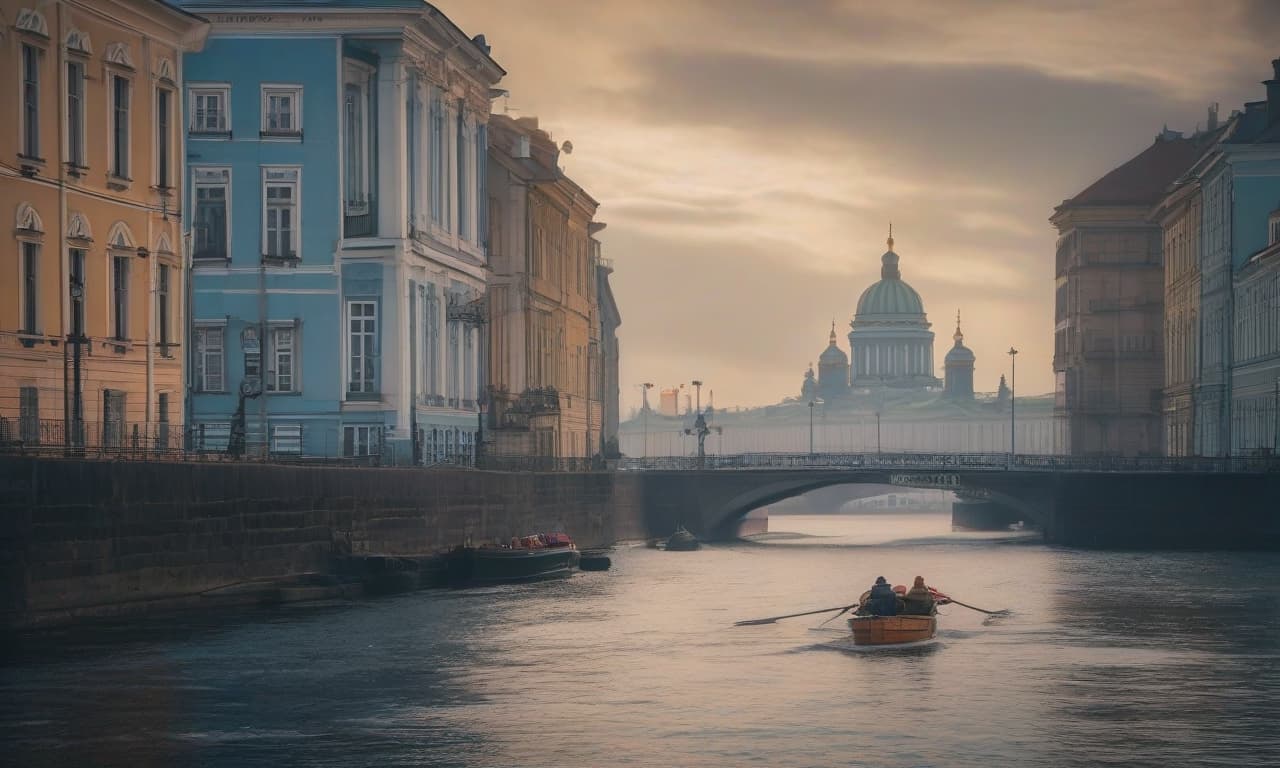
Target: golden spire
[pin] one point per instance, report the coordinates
(890, 241)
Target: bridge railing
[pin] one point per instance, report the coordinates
(995, 462)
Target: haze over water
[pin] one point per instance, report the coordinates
(1107, 658)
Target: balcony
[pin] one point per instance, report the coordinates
(360, 218)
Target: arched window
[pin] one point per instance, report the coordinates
(28, 221)
(78, 228)
(78, 42)
(120, 237)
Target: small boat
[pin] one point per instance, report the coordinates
(542, 556)
(892, 630)
(682, 541)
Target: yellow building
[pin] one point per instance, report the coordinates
(93, 267)
(545, 374)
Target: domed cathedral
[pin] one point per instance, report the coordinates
(959, 368)
(833, 370)
(891, 343)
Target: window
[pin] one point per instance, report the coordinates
(77, 291)
(30, 101)
(281, 110)
(356, 139)
(164, 130)
(210, 110)
(464, 225)
(30, 287)
(362, 339)
(286, 438)
(119, 126)
(75, 113)
(209, 228)
(281, 373)
(482, 186)
(120, 297)
(29, 415)
(361, 441)
(439, 170)
(212, 437)
(113, 401)
(209, 343)
(280, 213)
(162, 307)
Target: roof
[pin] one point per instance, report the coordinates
(890, 296)
(1144, 179)
(478, 44)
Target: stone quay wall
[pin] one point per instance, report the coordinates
(78, 537)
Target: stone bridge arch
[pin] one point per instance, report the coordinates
(710, 503)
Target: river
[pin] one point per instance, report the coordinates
(1106, 658)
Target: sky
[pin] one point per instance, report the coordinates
(748, 156)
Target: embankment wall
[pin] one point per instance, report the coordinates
(78, 536)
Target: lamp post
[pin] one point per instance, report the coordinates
(877, 431)
(697, 386)
(1013, 401)
(811, 429)
(644, 414)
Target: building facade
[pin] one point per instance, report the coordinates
(1109, 305)
(91, 337)
(545, 373)
(337, 157)
(610, 352)
(1180, 215)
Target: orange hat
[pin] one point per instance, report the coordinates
(919, 582)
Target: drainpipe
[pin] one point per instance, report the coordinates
(63, 267)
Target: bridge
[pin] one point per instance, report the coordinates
(1079, 501)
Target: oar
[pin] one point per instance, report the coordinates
(771, 619)
(951, 599)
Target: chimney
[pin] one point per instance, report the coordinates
(1273, 93)
(1212, 125)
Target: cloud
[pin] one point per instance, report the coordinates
(748, 155)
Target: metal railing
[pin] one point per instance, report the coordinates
(991, 462)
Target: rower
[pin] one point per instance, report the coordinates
(883, 601)
(919, 600)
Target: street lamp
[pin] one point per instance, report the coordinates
(877, 431)
(1013, 400)
(697, 385)
(811, 429)
(644, 414)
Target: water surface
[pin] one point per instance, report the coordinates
(1108, 658)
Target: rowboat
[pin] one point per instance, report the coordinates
(892, 630)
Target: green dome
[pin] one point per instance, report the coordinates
(891, 295)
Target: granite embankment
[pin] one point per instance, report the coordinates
(82, 538)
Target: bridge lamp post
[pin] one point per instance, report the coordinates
(877, 431)
(644, 414)
(1013, 401)
(811, 429)
(697, 385)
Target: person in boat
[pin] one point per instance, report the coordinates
(918, 600)
(882, 600)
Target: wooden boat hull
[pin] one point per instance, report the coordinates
(479, 567)
(892, 630)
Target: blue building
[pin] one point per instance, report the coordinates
(1236, 400)
(336, 230)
